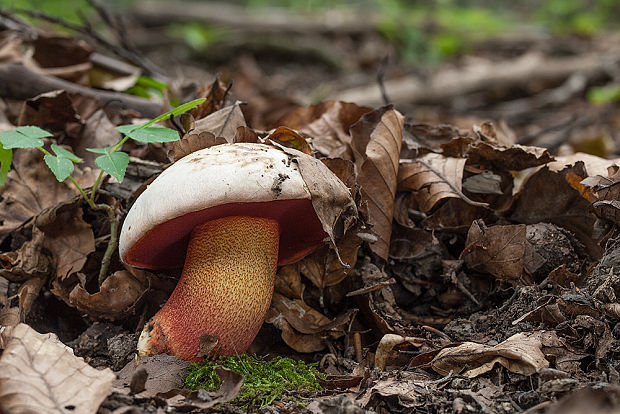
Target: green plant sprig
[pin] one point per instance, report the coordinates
(112, 161)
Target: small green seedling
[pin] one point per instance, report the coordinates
(112, 161)
(264, 381)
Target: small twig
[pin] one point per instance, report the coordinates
(112, 243)
(86, 30)
(437, 332)
(462, 288)
(381, 79)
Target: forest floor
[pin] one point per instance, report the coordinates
(484, 252)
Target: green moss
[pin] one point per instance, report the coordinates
(264, 381)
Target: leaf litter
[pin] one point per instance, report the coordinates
(466, 272)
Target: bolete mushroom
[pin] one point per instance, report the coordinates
(228, 214)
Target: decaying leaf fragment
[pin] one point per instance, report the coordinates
(40, 374)
(376, 140)
(521, 353)
(498, 250)
(431, 178)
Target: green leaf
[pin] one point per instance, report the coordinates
(14, 139)
(33, 132)
(5, 163)
(114, 164)
(63, 153)
(149, 134)
(61, 167)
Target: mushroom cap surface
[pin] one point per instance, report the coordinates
(242, 179)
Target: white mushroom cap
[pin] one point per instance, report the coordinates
(240, 179)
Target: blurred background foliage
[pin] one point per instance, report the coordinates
(428, 31)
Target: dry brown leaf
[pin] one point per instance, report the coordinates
(376, 142)
(550, 197)
(521, 353)
(387, 343)
(594, 165)
(297, 341)
(164, 373)
(299, 315)
(328, 124)
(116, 297)
(192, 142)
(431, 178)
(498, 250)
(492, 156)
(222, 123)
(67, 236)
(29, 261)
(290, 138)
(30, 188)
(331, 199)
(40, 374)
(215, 95)
(288, 282)
(322, 266)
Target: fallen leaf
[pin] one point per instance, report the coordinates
(387, 343)
(431, 178)
(164, 373)
(498, 250)
(192, 142)
(222, 123)
(376, 142)
(27, 262)
(116, 297)
(288, 282)
(215, 95)
(290, 138)
(30, 188)
(521, 353)
(328, 124)
(67, 236)
(548, 197)
(40, 374)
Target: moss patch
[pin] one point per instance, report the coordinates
(264, 381)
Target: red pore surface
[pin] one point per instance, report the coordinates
(164, 246)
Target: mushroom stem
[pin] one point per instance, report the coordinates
(225, 289)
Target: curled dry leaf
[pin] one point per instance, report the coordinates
(222, 123)
(290, 138)
(489, 155)
(498, 250)
(387, 343)
(328, 124)
(550, 197)
(521, 353)
(164, 373)
(117, 296)
(192, 142)
(431, 178)
(67, 236)
(215, 95)
(288, 282)
(27, 262)
(335, 208)
(40, 374)
(299, 342)
(376, 142)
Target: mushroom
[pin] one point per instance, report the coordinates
(228, 214)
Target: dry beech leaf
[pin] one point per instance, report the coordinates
(117, 295)
(477, 152)
(328, 124)
(290, 138)
(431, 178)
(67, 236)
(297, 341)
(388, 342)
(40, 374)
(549, 197)
(164, 373)
(215, 95)
(222, 123)
(376, 142)
(498, 250)
(521, 353)
(332, 207)
(322, 266)
(594, 165)
(288, 282)
(301, 316)
(192, 142)
(30, 188)
(27, 262)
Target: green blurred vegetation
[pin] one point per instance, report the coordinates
(422, 31)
